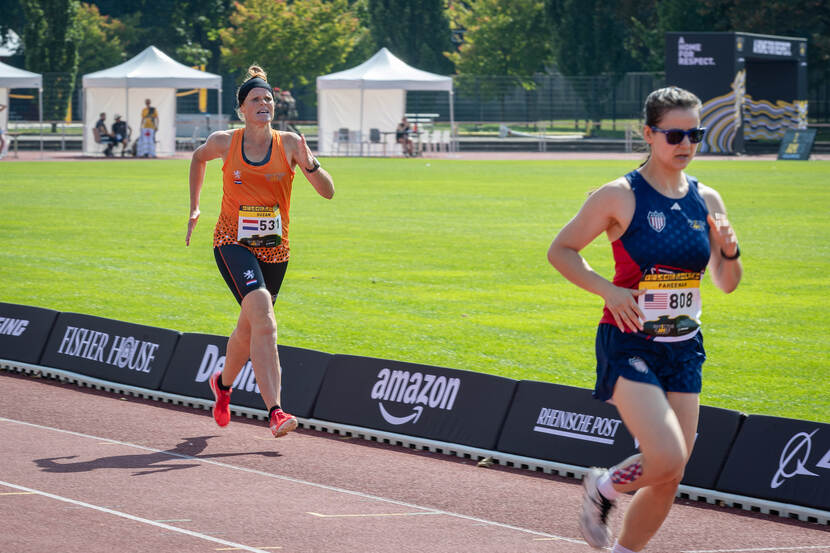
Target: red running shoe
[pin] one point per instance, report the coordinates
(282, 423)
(221, 409)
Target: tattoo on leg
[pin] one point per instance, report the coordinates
(627, 474)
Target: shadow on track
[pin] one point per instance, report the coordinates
(154, 462)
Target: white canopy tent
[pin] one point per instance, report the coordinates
(12, 77)
(371, 95)
(122, 90)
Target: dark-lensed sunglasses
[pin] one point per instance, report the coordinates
(675, 136)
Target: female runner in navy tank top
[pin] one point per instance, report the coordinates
(665, 230)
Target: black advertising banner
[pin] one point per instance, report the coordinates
(567, 425)
(797, 144)
(784, 460)
(443, 404)
(703, 63)
(110, 350)
(716, 432)
(564, 424)
(24, 331)
(200, 355)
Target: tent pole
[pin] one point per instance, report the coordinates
(83, 120)
(360, 138)
(219, 125)
(40, 112)
(452, 146)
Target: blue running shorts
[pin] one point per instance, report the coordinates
(672, 366)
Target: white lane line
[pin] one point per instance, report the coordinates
(374, 515)
(303, 482)
(133, 517)
(261, 547)
(780, 548)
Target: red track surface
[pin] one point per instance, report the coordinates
(126, 474)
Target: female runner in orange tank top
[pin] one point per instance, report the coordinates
(251, 236)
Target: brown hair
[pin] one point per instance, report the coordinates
(666, 99)
(663, 100)
(256, 71)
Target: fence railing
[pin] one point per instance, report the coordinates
(476, 98)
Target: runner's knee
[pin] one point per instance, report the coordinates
(668, 464)
(259, 312)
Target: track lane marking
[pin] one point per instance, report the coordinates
(261, 547)
(780, 548)
(303, 482)
(132, 517)
(320, 515)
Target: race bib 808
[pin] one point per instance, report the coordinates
(671, 305)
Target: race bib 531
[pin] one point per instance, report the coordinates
(259, 226)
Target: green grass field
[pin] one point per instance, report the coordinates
(439, 262)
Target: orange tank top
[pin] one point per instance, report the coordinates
(257, 198)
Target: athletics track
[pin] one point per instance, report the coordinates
(92, 471)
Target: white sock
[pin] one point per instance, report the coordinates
(606, 487)
(620, 549)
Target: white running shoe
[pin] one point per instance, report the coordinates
(593, 518)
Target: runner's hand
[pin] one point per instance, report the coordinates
(724, 234)
(191, 224)
(622, 303)
(305, 153)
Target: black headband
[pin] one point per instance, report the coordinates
(250, 84)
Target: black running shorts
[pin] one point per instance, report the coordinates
(243, 272)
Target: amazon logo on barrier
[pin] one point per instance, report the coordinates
(413, 391)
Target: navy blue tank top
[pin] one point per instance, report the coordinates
(665, 250)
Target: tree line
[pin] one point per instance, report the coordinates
(297, 40)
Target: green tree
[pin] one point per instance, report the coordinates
(293, 41)
(99, 46)
(12, 18)
(589, 42)
(501, 39)
(50, 40)
(417, 32)
(364, 45)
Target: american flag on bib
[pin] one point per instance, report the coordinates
(656, 300)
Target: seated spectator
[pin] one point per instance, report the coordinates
(402, 137)
(104, 137)
(121, 134)
(280, 109)
(289, 111)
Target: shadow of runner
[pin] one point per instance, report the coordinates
(155, 462)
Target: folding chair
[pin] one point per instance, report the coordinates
(341, 136)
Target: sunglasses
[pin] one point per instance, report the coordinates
(675, 136)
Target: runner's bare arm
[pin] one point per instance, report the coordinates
(726, 273)
(609, 210)
(216, 146)
(300, 154)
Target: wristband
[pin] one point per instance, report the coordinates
(314, 167)
(736, 256)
